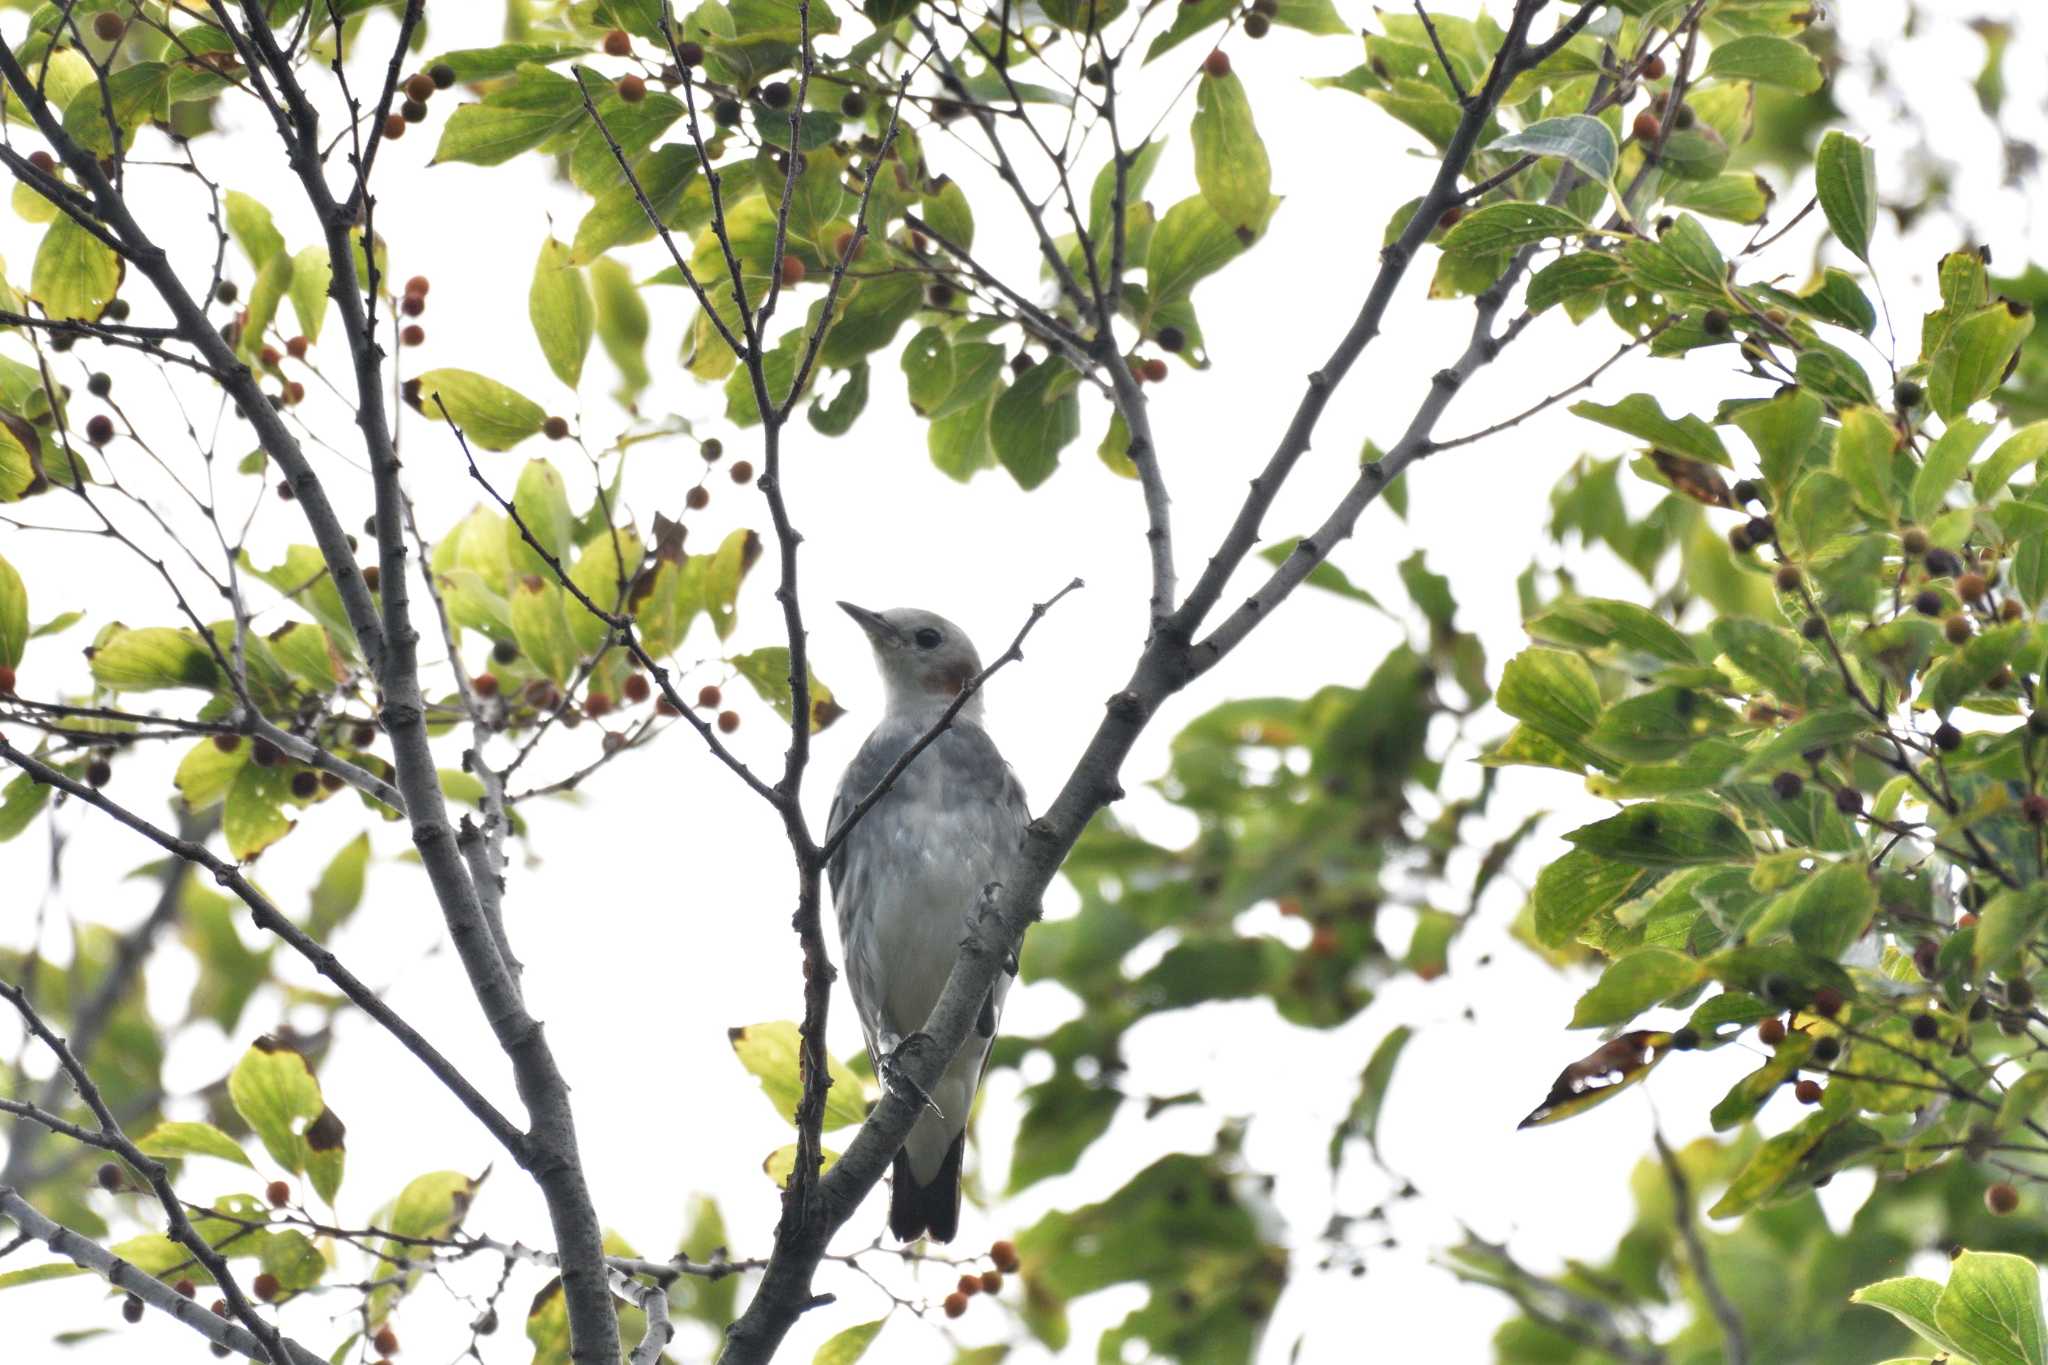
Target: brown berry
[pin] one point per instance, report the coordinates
(2010, 610)
(1971, 587)
(1771, 1032)
(186, 1289)
(268, 357)
(1807, 1091)
(264, 754)
(1216, 64)
(1913, 542)
(2035, 807)
(420, 86)
(227, 744)
(632, 89)
(294, 393)
(1257, 25)
(698, 498)
(98, 773)
(100, 429)
(296, 348)
(555, 428)
(1652, 69)
(484, 684)
(418, 287)
(1947, 738)
(1788, 578)
(6, 680)
(2001, 1199)
(970, 1285)
(394, 127)
(1848, 800)
(372, 576)
(1927, 957)
(792, 272)
(265, 1286)
(108, 27)
(1155, 370)
(956, 1303)
(412, 111)
(413, 335)
(131, 1307)
(711, 449)
(597, 704)
(664, 707)
(618, 43)
(708, 696)
(1647, 127)
(1956, 628)
(991, 1282)
(412, 305)
(636, 688)
(1787, 786)
(1004, 1254)
(386, 1341)
(742, 471)
(1827, 1002)
(728, 721)
(110, 1177)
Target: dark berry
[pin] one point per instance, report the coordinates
(1171, 339)
(1913, 542)
(1771, 1031)
(1807, 1091)
(2001, 1199)
(1788, 786)
(1848, 800)
(1926, 1028)
(698, 498)
(100, 385)
(728, 721)
(555, 428)
(305, 783)
(1826, 1049)
(1928, 602)
(1907, 394)
(708, 696)
(853, 104)
(1814, 628)
(100, 429)
(442, 75)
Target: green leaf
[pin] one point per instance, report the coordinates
(340, 888)
(1573, 276)
(491, 415)
(1501, 228)
(192, 1139)
(1834, 909)
(13, 615)
(249, 223)
(1034, 419)
(1767, 61)
(518, 116)
(1230, 158)
(1581, 139)
(1845, 177)
(151, 658)
(621, 321)
(618, 218)
(312, 276)
(540, 623)
(2024, 447)
(273, 1089)
(1634, 982)
(1551, 690)
(1863, 458)
(1573, 889)
(780, 1164)
(1911, 1300)
(1363, 1120)
(472, 64)
(37, 1274)
(1734, 196)
(2006, 924)
(253, 818)
(1972, 361)
(1770, 1166)
(1643, 416)
(21, 800)
(1593, 622)
(1665, 834)
(846, 1347)
(1991, 1309)
(767, 670)
(75, 274)
(772, 1053)
(559, 306)
(1946, 460)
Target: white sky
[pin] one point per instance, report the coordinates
(654, 915)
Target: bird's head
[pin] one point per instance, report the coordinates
(925, 660)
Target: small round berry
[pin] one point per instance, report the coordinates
(186, 1289)
(386, 1341)
(1826, 1049)
(1685, 1040)
(412, 305)
(1004, 1254)
(698, 498)
(2035, 807)
(413, 335)
(1652, 69)
(1913, 542)
(970, 1285)
(1155, 370)
(618, 43)
(1257, 25)
(117, 310)
(484, 684)
(1739, 541)
(108, 26)
(131, 1307)
(726, 112)
(412, 111)
(1814, 628)
(1971, 587)
(1646, 127)
(632, 89)
(1685, 118)
(100, 429)
(597, 704)
(266, 1287)
(1762, 530)
(305, 783)
(1788, 578)
(1927, 957)
(1947, 738)
(227, 744)
(1714, 322)
(293, 393)
(1928, 602)
(555, 428)
(1848, 800)
(504, 652)
(775, 94)
(372, 576)
(98, 773)
(853, 104)
(728, 721)
(991, 1282)
(792, 272)
(1827, 1002)
(956, 1303)
(264, 754)
(1771, 1031)
(100, 385)
(418, 287)
(741, 471)
(709, 696)
(1926, 1027)
(2011, 610)
(1907, 395)
(1171, 339)
(394, 127)
(296, 348)
(636, 688)
(110, 1177)
(1807, 1091)
(692, 54)
(1216, 64)
(442, 75)
(1745, 490)
(1788, 785)
(1957, 629)
(711, 450)
(664, 707)
(2001, 1199)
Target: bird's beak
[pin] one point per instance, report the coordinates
(871, 622)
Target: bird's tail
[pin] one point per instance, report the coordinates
(931, 1209)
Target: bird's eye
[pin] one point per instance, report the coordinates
(927, 638)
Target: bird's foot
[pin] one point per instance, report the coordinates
(889, 1071)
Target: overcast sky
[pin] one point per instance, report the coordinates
(653, 914)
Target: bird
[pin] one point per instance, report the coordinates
(906, 877)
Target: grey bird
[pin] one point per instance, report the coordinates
(908, 875)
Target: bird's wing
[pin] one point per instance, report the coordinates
(853, 892)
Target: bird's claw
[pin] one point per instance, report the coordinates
(889, 1071)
